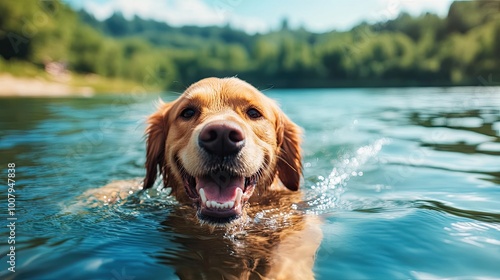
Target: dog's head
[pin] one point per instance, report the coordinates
(217, 143)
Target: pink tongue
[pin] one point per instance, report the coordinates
(221, 189)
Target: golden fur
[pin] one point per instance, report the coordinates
(278, 137)
(270, 161)
(272, 147)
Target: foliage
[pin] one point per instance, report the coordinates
(423, 50)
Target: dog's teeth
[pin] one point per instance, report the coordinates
(202, 196)
(217, 205)
(238, 195)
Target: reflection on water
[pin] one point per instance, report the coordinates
(470, 214)
(474, 121)
(405, 182)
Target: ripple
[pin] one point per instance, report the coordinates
(465, 213)
(491, 147)
(474, 233)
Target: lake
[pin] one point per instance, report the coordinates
(406, 182)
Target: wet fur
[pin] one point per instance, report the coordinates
(283, 250)
(277, 138)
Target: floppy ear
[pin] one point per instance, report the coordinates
(156, 134)
(289, 155)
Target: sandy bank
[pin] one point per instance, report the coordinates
(16, 86)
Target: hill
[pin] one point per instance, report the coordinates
(408, 51)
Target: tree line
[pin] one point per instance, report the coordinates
(425, 50)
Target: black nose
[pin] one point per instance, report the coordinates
(221, 138)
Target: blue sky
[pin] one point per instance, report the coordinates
(261, 16)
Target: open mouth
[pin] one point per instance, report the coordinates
(220, 195)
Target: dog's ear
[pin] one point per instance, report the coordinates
(156, 134)
(289, 154)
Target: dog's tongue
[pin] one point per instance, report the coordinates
(220, 188)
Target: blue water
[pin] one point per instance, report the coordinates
(406, 183)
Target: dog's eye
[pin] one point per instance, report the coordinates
(188, 113)
(253, 113)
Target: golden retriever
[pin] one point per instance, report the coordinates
(218, 143)
(228, 150)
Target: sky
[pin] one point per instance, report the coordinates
(262, 16)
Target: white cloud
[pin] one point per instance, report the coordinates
(384, 10)
(178, 12)
(318, 15)
(416, 7)
(99, 10)
(248, 24)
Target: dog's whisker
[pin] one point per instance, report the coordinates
(244, 156)
(216, 153)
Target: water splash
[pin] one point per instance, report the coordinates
(325, 194)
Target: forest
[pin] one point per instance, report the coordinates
(426, 50)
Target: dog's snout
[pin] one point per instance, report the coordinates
(221, 138)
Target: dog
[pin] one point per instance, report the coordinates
(230, 152)
(218, 143)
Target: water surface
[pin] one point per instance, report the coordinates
(406, 182)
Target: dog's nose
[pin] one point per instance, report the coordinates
(221, 138)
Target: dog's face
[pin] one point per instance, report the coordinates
(219, 143)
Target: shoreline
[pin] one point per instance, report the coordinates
(88, 86)
(11, 86)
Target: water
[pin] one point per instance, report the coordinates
(406, 183)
